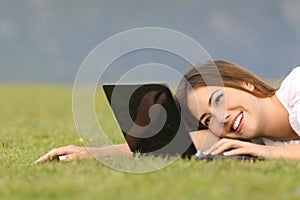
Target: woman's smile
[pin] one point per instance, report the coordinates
(237, 123)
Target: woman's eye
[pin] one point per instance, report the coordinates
(207, 120)
(219, 98)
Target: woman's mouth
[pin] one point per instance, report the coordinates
(237, 123)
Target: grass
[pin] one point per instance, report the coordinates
(34, 119)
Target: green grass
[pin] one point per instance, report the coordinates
(34, 119)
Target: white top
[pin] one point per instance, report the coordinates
(289, 95)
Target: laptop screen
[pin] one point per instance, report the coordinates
(150, 119)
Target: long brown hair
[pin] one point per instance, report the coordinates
(219, 73)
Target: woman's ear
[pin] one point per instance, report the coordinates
(248, 86)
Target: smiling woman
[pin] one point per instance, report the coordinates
(231, 112)
(243, 107)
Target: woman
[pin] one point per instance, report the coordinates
(236, 109)
(246, 109)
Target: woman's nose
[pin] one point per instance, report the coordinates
(218, 125)
(222, 118)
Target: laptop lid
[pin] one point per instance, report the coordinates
(149, 119)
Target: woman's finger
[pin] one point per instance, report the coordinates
(215, 147)
(226, 144)
(237, 151)
(54, 153)
(68, 158)
(73, 156)
(251, 149)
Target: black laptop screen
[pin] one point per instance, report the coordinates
(149, 119)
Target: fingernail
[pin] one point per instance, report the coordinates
(199, 153)
(206, 152)
(62, 158)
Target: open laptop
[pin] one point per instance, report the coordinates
(151, 121)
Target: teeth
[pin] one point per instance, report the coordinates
(237, 122)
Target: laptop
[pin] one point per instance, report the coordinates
(150, 120)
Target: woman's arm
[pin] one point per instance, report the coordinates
(230, 147)
(71, 153)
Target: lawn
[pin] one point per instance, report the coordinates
(34, 119)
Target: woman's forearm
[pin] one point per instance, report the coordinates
(290, 152)
(111, 151)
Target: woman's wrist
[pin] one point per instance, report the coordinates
(109, 151)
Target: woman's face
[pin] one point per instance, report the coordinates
(227, 112)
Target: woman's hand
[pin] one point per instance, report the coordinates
(71, 153)
(231, 147)
(66, 153)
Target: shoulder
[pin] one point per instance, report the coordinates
(289, 90)
(296, 69)
(292, 82)
(294, 75)
(295, 80)
(289, 94)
